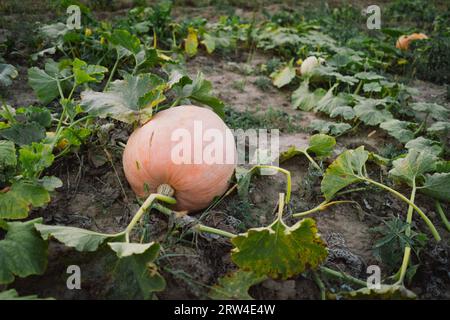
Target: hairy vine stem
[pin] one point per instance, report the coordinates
(321, 207)
(147, 203)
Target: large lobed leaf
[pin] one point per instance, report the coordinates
(45, 83)
(329, 127)
(235, 286)
(24, 133)
(125, 100)
(200, 90)
(21, 196)
(435, 110)
(80, 239)
(372, 111)
(437, 186)
(321, 145)
(345, 170)
(135, 266)
(22, 251)
(304, 99)
(125, 42)
(398, 129)
(414, 165)
(279, 251)
(426, 145)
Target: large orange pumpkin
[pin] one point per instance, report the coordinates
(157, 157)
(403, 41)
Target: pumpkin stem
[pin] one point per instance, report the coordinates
(165, 190)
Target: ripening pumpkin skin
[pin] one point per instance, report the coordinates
(147, 159)
(404, 41)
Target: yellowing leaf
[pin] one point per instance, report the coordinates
(235, 286)
(191, 42)
(279, 251)
(284, 76)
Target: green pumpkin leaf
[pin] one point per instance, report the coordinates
(329, 71)
(50, 183)
(304, 99)
(346, 112)
(426, 145)
(235, 286)
(414, 165)
(53, 31)
(209, 42)
(126, 40)
(18, 200)
(35, 157)
(126, 249)
(80, 239)
(135, 267)
(369, 76)
(87, 73)
(212, 42)
(7, 155)
(345, 170)
(24, 133)
(22, 251)
(284, 76)
(7, 74)
(437, 186)
(329, 102)
(435, 110)
(372, 112)
(279, 251)
(372, 87)
(321, 145)
(33, 193)
(329, 127)
(200, 90)
(42, 116)
(13, 295)
(398, 129)
(44, 85)
(439, 127)
(123, 100)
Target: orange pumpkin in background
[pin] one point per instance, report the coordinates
(404, 41)
(150, 165)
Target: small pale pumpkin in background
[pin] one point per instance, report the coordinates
(404, 41)
(309, 64)
(149, 165)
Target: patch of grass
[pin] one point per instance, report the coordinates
(240, 210)
(271, 119)
(392, 241)
(272, 65)
(239, 85)
(263, 83)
